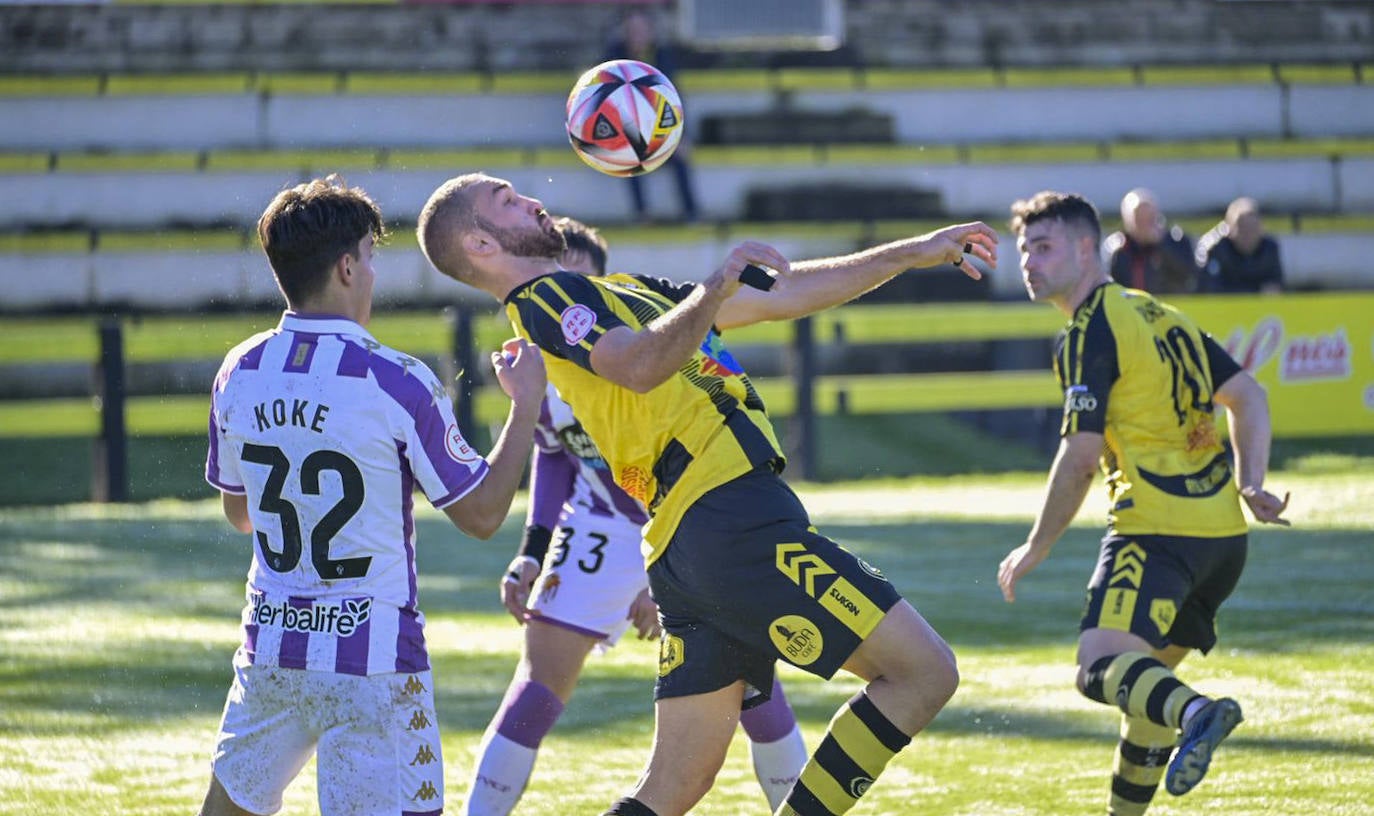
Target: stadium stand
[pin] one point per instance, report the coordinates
(138, 143)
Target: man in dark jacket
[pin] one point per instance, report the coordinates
(1237, 256)
(1148, 254)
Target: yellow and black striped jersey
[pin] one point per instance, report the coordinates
(1141, 373)
(703, 427)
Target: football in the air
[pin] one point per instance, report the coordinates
(624, 118)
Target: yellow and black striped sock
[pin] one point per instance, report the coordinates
(854, 751)
(1140, 686)
(1141, 756)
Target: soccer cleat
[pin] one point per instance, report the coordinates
(1205, 732)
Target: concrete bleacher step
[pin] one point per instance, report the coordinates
(283, 110)
(219, 268)
(91, 189)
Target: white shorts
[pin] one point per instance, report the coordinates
(592, 573)
(376, 740)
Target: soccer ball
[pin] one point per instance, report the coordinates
(624, 118)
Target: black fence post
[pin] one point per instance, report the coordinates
(803, 365)
(460, 319)
(110, 463)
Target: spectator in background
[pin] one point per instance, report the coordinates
(637, 41)
(1237, 256)
(1148, 254)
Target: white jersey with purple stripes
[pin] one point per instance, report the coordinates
(593, 486)
(328, 433)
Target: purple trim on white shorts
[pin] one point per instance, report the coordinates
(571, 627)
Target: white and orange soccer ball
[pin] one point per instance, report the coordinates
(624, 118)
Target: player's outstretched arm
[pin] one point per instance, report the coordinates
(644, 359)
(1251, 432)
(1070, 477)
(520, 370)
(814, 285)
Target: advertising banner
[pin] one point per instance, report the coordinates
(1314, 353)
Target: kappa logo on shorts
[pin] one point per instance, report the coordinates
(419, 721)
(413, 685)
(797, 639)
(671, 653)
(577, 321)
(425, 793)
(424, 756)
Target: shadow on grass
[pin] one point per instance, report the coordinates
(1302, 588)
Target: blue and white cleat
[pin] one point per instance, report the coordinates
(1205, 732)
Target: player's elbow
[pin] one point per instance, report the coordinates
(485, 524)
(475, 518)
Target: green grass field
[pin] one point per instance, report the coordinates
(117, 624)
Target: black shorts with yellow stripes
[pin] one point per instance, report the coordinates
(745, 580)
(1165, 589)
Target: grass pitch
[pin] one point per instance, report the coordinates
(117, 624)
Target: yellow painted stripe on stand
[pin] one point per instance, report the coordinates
(177, 84)
(1034, 153)
(303, 83)
(1206, 74)
(533, 82)
(1319, 73)
(44, 243)
(884, 79)
(817, 79)
(723, 81)
(1317, 148)
(458, 160)
(890, 154)
(1059, 77)
(318, 161)
(139, 162)
(413, 83)
(171, 241)
(49, 85)
(27, 162)
(1174, 151)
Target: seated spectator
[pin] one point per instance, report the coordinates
(1237, 256)
(638, 42)
(1148, 254)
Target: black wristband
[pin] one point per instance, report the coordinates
(535, 542)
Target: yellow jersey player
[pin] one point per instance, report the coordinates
(578, 583)
(1141, 383)
(740, 575)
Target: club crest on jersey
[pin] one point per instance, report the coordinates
(716, 360)
(458, 447)
(577, 321)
